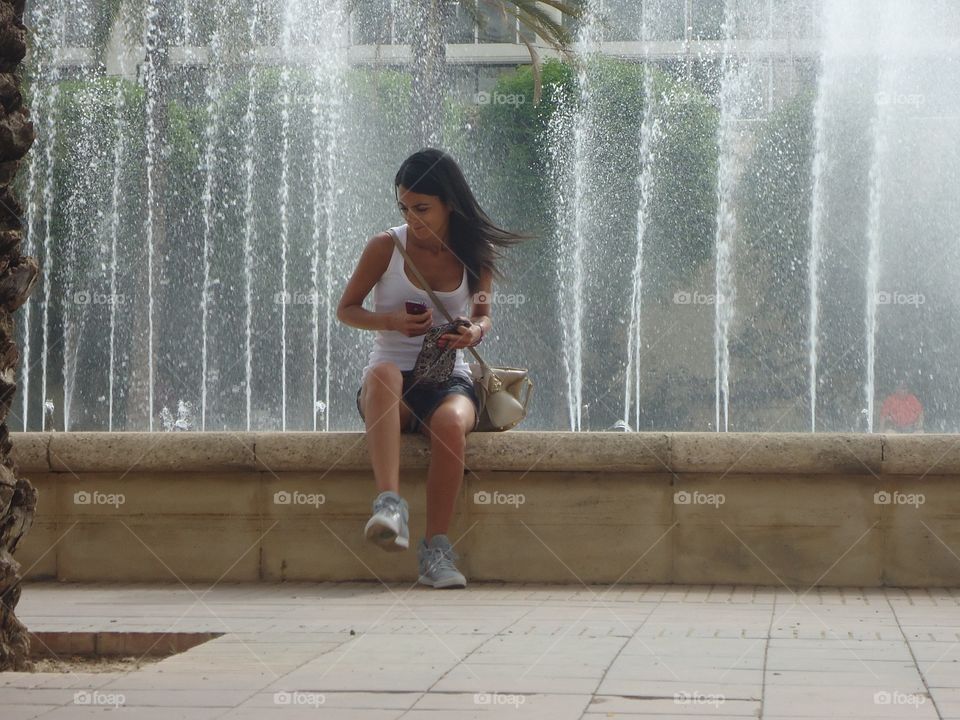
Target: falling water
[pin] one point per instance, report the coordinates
(151, 37)
(249, 134)
(879, 133)
(309, 188)
(41, 108)
(726, 219)
(874, 232)
(75, 312)
(187, 21)
(214, 92)
(574, 223)
(51, 137)
(817, 210)
(834, 42)
(286, 45)
(328, 118)
(31, 223)
(649, 131)
(118, 156)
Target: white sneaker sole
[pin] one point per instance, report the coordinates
(385, 535)
(449, 583)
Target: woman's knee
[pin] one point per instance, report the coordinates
(449, 425)
(384, 378)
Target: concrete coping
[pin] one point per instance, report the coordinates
(645, 452)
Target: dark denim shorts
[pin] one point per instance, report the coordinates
(422, 399)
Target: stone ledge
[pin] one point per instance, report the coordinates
(796, 509)
(799, 530)
(674, 452)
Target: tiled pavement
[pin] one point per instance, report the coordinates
(356, 650)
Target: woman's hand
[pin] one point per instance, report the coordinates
(410, 325)
(465, 336)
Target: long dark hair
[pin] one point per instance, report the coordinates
(474, 237)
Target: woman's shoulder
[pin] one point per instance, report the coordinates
(377, 253)
(382, 243)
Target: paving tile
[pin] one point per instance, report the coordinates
(846, 702)
(689, 705)
(947, 699)
(683, 689)
(81, 712)
(25, 712)
(529, 650)
(329, 700)
(489, 704)
(309, 713)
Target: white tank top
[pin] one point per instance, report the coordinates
(389, 294)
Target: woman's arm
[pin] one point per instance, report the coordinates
(479, 316)
(372, 264)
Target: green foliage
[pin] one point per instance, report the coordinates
(510, 141)
(507, 145)
(773, 253)
(775, 196)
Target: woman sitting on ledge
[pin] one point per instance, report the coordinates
(452, 242)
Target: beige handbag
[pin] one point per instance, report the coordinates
(503, 392)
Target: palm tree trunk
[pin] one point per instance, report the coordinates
(18, 275)
(429, 69)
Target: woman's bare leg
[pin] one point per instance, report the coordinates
(384, 414)
(447, 427)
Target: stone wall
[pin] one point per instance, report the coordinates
(771, 509)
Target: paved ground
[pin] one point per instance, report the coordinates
(358, 650)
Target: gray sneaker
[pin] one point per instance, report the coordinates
(437, 564)
(388, 525)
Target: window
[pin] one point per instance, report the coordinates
(496, 26)
(793, 19)
(665, 19)
(621, 20)
(707, 20)
(372, 22)
(461, 27)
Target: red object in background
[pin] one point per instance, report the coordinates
(903, 409)
(415, 307)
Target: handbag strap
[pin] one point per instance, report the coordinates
(426, 286)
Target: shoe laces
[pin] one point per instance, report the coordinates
(439, 558)
(390, 504)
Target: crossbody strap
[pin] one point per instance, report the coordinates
(426, 286)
